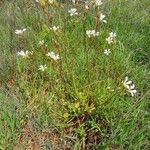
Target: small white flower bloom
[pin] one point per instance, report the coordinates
(42, 67)
(74, 1)
(111, 38)
(24, 54)
(73, 12)
(87, 7)
(92, 33)
(55, 28)
(20, 31)
(102, 16)
(53, 55)
(129, 82)
(41, 42)
(51, 1)
(132, 86)
(126, 82)
(129, 86)
(112, 34)
(98, 2)
(132, 92)
(107, 51)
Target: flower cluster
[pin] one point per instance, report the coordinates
(55, 28)
(98, 2)
(20, 31)
(128, 84)
(49, 1)
(53, 55)
(24, 54)
(111, 38)
(92, 33)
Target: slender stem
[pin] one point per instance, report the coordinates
(97, 26)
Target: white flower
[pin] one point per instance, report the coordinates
(53, 55)
(102, 16)
(51, 1)
(74, 1)
(111, 38)
(24, 54)
(98, 2)
(55, 28)
(92, 33)
(42, 67)
(107, 51)
(112, 34)
(128, 84)
(87, 6)
(41, 42)
(73, 12)
(132, 90)
(20, 31)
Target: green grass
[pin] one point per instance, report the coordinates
(79, 101)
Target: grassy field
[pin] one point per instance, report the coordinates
(75, 80)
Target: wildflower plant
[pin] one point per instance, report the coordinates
(73, 80)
